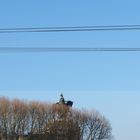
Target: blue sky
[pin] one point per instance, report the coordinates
(106, 81)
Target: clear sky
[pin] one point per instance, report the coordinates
(106, 81)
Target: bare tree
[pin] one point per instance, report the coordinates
(4, 116)
(19, 118)
(62, 125)
(98, 127)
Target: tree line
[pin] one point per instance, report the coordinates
(32, 120)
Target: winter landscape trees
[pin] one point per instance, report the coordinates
(36, 120)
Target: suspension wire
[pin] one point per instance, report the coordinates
(72, 29)
(38, 49)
